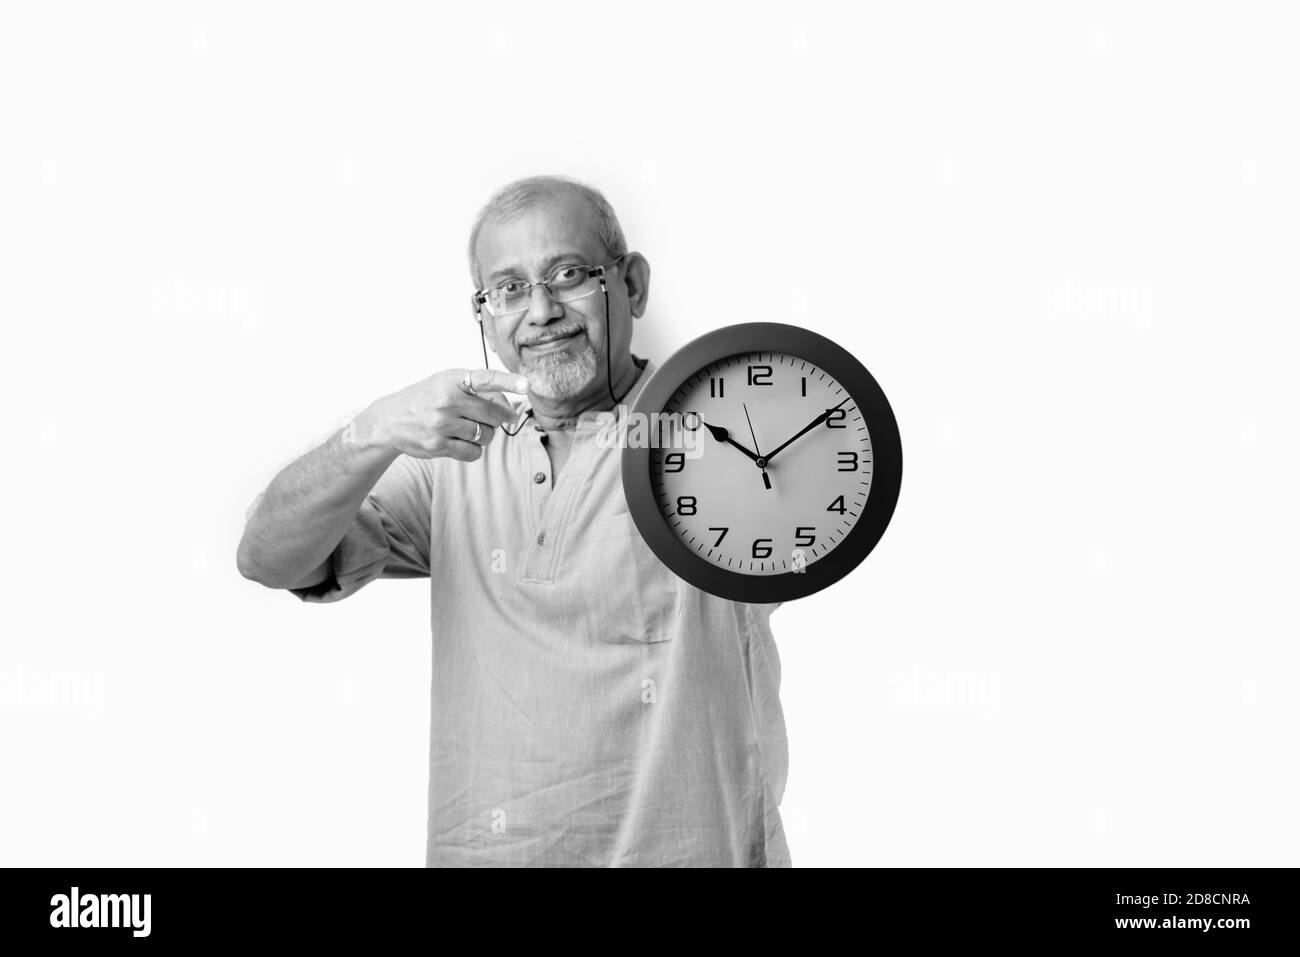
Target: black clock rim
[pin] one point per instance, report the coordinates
(887, 456)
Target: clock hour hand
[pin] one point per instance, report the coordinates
(806, 429)
(721, 434)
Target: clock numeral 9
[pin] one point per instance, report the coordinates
(674, 461)
(762, 548)
(805, 532)
(760, 375)
(686, 505)
(848, 462)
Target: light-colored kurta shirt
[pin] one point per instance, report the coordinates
(589, 708)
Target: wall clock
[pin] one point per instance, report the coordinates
(762, 462)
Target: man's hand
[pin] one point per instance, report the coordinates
(439, 416)
(307, 508)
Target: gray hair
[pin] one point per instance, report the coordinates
(513, 198)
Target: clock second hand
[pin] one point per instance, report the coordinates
(759, 461)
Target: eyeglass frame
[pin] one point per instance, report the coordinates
(478, 298)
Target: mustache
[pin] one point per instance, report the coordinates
(556, 334)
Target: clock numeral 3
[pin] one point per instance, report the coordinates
(848, 462)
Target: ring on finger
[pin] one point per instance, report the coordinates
(478, 432)
(467, 383)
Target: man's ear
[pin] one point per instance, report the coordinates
(636, 278)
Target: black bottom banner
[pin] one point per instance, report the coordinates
(1223, 908)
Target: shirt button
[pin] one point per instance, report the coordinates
(539, 478)
(541, 538)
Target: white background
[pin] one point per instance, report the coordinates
(1063, 238)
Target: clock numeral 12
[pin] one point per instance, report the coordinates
(760, 375)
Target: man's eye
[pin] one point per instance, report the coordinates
(512, 288)
(567, 274)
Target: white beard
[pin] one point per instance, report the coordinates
(559, 375)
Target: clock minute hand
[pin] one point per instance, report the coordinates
(806, 429)
(721, 434)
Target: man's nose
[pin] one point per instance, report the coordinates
(541, 307)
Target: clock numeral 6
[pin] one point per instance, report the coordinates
(760, 375)
(803, 532)
(674, 461)
(762, 548)
(848, 462)
(686, 505)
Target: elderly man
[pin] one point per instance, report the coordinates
(588, 707)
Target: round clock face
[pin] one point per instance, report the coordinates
(783, 467)
(769, 462)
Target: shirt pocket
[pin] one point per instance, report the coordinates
(634, 598)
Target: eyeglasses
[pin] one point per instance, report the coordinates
(564, 283)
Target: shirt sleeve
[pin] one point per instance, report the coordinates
(389, 538)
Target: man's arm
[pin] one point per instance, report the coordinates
(304, 513)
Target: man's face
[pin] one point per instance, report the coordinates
(560, 346)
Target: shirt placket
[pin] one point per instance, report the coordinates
(549, 505)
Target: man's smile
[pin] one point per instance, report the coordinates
(553, 343)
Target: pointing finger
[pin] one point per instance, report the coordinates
(491, 380)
